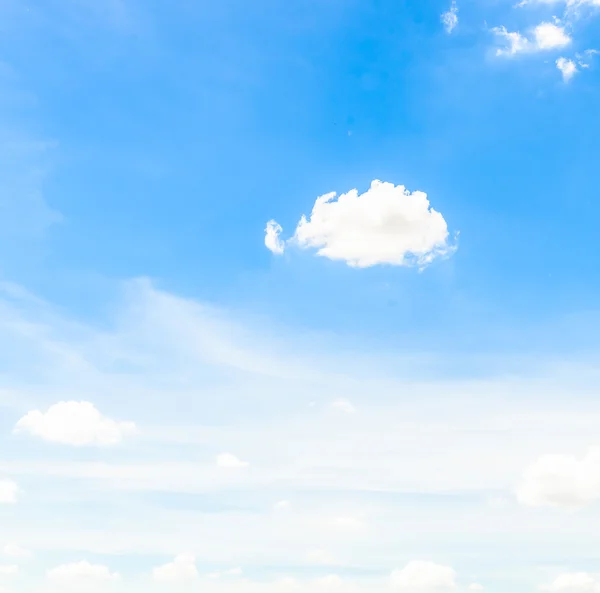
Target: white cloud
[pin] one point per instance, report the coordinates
(13, 550)
(9, 570)
(272, 238)
(183, 567)
(282, 505)
(561, 481)
(546, 36)
(227, 460)
(74, 423)
(515, 42)
(423, 576)
(385, 225)
(567, 67)
(81, 571)
(343, 405)
(550, 36)
(575, 4)
(476, 587)
(584, 58)
(574, 582)
(8, 492)
(450, 17)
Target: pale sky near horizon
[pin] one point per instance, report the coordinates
(299, 296)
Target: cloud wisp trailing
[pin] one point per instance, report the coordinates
(543, 37)
(74, 423)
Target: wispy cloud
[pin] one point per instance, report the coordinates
(544, 37)
(25, 162)
(450, 17)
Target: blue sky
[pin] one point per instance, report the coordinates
(387, 399)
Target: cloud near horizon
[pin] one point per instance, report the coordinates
(74, 423)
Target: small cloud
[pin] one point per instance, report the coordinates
(584, 58)
(74, 423)
(515, 42)
(227, 460)
(573, 582)
(272, 241)
(423, 576)
(13, 550)
(8, 570)
(387, 224)
(81, 571)
(476, 587)
(450, 17)
(343, 405)
(567, 67)
(183, 567)
(282, 505)
(9, 492)
(561, 481)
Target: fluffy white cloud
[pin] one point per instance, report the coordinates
(13, 550)
(9, 570)
(567, 67)
(561, 481)
(74, 423)
(272, 240)
(385, 225)
(574, 582)
(8, 492)
(450, 17)
(81, 571)
(550, 36)
(227, 460)
(183, 567)
(546, 36)
(282, 505)
(423, 576)
(476, 587)
(343, 405)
